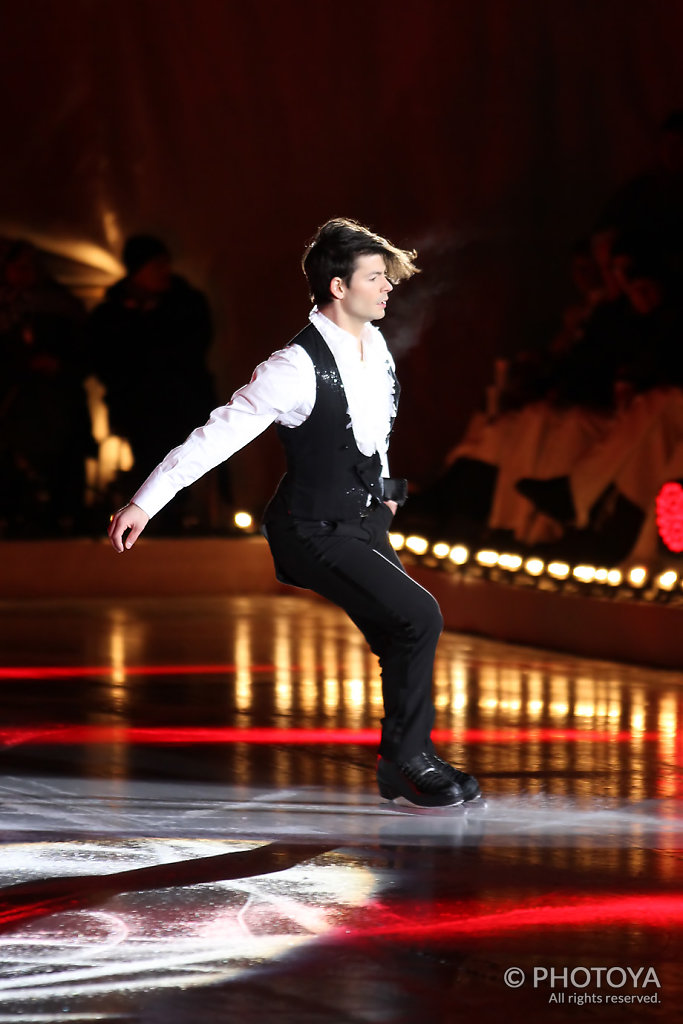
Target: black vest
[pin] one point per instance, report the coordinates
(328, 477)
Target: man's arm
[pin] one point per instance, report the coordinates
(282, 389)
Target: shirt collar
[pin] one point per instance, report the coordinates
(335, 335)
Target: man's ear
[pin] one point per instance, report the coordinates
(337, 288)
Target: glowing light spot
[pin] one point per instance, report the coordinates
(418, 545)
(534, 566)
(558, 570)
(355, 691)
(486, 557)
(637, 722)
(441, 550)
(459, 554)
(637, 576)
(243, 520)
(601, 575)
(397, 541)
(667, 580)
(614, 577)
(510, 562)
(584, 573)
(558, 708)
(511, 705)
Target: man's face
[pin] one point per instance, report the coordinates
(645, 294)
(154, 276)
(365, 296)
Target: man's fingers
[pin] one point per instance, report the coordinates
(135, 532)
(116, 531)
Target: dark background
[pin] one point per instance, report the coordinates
(487, 134)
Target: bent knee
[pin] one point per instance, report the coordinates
(428, 621)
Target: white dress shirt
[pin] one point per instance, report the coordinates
(283, 390)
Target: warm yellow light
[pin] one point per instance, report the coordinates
(459, 554)
(441, 550)
(558, 570)
(637, 575)
(558, 707)
(418, 545)
(667, 580)
(76, 249)
(601, 575)
(637, 721)
(614, 577)
(534, 566)
(397, 541)
(585, 573)
(487, 557)
(511, 562)
(243, 520)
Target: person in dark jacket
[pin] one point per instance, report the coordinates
(165, 324)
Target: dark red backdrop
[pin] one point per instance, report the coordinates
(487, 134)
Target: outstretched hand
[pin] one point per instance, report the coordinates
(130, 517)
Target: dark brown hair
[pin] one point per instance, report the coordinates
(335, 248)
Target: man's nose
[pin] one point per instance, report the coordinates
(387, 286)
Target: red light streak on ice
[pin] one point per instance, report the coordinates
(164, 735)
(98, 671)
(645, 910)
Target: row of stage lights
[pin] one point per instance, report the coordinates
(637, 579)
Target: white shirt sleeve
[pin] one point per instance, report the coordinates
(281, 390)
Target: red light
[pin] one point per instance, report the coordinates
(160, 735)
(97, 671)
(654, 910)
(669, 512)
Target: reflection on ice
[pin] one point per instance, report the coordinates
(76, 807)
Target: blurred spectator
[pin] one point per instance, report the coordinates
(588, 278)
(580, 463)
(554, 405)
(652, 288)
(653, 201)
(576, 439)
(609, 490)
(161, 388)
(531, 375)
(44, 423)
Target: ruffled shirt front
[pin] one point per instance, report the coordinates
(368, 381)
(283, 390)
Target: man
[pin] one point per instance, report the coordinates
(333, 394)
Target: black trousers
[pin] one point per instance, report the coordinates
(354, 566)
